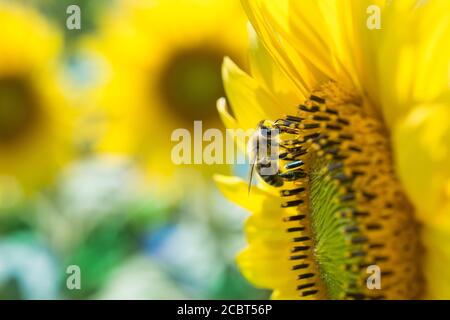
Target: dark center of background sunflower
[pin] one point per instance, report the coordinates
(18, 108)
(191, 83)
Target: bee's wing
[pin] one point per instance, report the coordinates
(255, 150)
(250, 174)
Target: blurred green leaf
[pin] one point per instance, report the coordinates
(98, 255)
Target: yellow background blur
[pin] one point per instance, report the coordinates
(86, 177)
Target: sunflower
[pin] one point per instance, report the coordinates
(362, 120)
(34, 127)
(165, 73)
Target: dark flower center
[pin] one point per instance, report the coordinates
(191, 83)
(344, 207)
(18, 109)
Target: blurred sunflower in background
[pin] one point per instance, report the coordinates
(363, 119)
(35, 120)
(165, 61)
(163, 72)
(151, 67)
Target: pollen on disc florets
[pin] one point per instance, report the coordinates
(336, 170)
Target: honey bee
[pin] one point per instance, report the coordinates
(263, 149)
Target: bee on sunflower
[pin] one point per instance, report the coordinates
(34, 118)
(363, 121)
(165, 73)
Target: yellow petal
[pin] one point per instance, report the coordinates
(265, 70)
(271, 22)
(437, 261)
(422, 153)
(414, 58)
(225, 116)
(236, 190)
(269, 233)
(268, 243)
(312, 24)
(250, 101)
(263, 267)
(352, 44)
(315, 41)
(285, 294)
